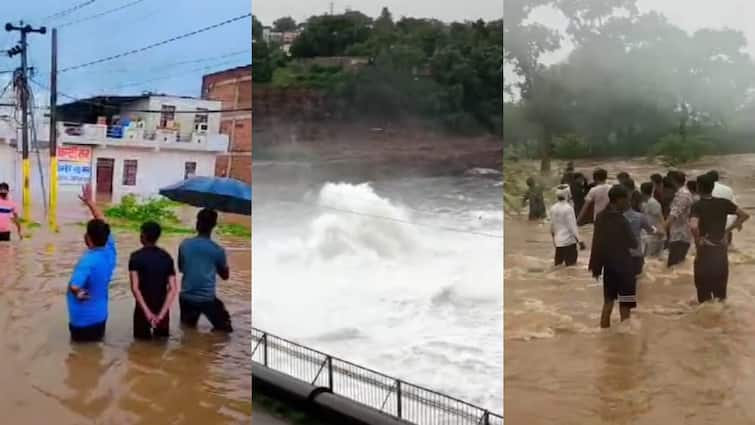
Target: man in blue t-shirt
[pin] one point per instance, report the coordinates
(87, 293)
(200, 260)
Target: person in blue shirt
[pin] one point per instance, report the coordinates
(87, 293)
(201, 260)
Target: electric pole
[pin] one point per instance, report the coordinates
(21, 49)
(52, 219)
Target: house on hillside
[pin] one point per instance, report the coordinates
(124, 145)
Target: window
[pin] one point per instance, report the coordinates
(129, 172)
(190, 169)
(167, 115)
(201, 116)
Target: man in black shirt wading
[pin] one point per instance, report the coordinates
(708, 226)
(612, 239)
(154, 285)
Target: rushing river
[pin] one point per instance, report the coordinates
(195, 377)
(337, 267)
(674, 362)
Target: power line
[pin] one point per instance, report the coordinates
(68, 11)
(159, 43)
(101, 14)
(146, 111)
(168, 77)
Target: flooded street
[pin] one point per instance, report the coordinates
(674, 363)
(196, 377)
(400, 275)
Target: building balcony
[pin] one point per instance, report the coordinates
(136, 137)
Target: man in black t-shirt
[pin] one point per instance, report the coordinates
(610, 256)
(708, 227)
(153, 283)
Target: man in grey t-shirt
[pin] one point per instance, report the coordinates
(200, 260)
(654, 213)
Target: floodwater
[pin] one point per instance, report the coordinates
(195, 377)
(338, 268)
(674, 362)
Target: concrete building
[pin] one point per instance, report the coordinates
(233, 87)
(121, 147)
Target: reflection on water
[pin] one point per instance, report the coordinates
(674, 362)
(194, 377)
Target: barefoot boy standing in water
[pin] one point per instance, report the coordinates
(153, 283)
(610, 256)
(87, 293)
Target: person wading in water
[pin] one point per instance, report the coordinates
(708, 227)
(612, 243)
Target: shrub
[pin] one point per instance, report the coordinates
(154, 209)
(570, 146)
(673, 150)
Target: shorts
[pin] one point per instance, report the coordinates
(638, 264)
(143, 329)
(620, 285)
(4, 236)
(677, 252)
(92, 333)
(214, 311)
(566, 255)
(711, 272)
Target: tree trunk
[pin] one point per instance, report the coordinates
(546, 149)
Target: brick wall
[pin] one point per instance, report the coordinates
(233, 87)
(241, 166)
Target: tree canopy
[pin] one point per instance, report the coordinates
(446, 75)
(631, 82)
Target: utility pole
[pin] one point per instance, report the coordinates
(25, 166)
(52, 219)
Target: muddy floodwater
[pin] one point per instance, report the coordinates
(196, 377)
(674, 363)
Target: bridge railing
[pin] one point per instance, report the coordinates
(397, 398)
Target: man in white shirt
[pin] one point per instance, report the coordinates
(723, 191)
(597, 197)
(564, 228)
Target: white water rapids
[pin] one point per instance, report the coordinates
(337, 267)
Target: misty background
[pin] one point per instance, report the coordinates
(627, 78)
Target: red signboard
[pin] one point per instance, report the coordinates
(75, 153)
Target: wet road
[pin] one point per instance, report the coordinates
(196, 377)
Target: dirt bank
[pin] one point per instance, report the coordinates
(298, 125)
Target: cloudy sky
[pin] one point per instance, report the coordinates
(269, 10)
(175, 68)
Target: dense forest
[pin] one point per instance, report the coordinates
(633, 84)
(446, 75)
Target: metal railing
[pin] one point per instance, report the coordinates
(389, 395)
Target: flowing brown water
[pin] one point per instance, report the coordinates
(194, 378)
(674, 363)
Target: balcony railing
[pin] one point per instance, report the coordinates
(397, 398)
(100, 134)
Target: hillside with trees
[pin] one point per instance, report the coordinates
(448, 76)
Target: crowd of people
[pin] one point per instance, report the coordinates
(152, 274)
(665, 214)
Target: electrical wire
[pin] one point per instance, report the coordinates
(146, 111)
(101, 14)
(171, 76)
(68, 11)
(157, 44)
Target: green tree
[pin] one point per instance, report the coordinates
(284, 24)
